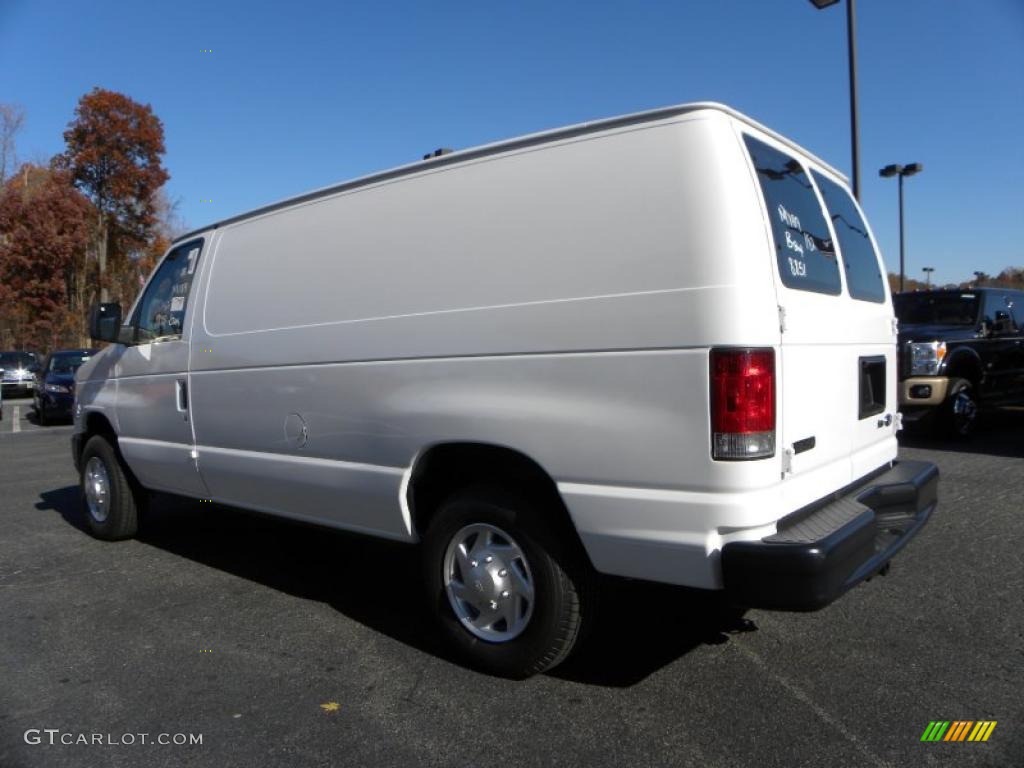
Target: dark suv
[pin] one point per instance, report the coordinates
(959, 349)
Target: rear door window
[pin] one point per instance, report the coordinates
(863, 275)
(803, 243)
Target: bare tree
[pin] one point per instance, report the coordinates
(170, 223)
(12, 118)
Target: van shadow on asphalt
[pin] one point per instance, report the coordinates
(640, 628)
(998, 433)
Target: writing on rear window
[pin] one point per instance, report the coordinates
(797, 266)
(803, 242)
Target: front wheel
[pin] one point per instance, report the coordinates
(112, 501)
(509, 593)
(959, 413)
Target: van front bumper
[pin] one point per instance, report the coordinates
(821, 551)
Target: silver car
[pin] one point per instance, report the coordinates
(19, 372)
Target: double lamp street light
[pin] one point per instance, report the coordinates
(901, 171)
(889, 170)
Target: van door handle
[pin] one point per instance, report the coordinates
(182, 392)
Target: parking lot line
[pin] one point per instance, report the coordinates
(16, 422)
(801, 695)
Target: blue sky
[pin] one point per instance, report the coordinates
(299, 95)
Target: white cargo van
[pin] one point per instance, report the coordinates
(659, 346)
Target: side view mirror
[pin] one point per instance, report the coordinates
(105, 322)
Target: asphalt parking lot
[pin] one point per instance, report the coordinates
(18, 415)
(286, 645)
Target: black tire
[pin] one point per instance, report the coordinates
(125, 497)
(958, 415)
(41, 418)
(562, 580)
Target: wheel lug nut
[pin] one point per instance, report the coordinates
(488, 559)
(473, 563)
(505, 593)
(494, 605)
(503, 572)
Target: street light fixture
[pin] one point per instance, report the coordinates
(851, 47)
(901, 171)
(928, 276)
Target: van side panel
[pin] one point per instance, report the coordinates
(559, 301)
(621, 241)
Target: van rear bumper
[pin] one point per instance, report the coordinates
(823, 550)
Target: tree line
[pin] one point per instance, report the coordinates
(1011, 277)
(87, 226)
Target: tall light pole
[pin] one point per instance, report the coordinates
(851, 48)
(928, 276)
(901, 171)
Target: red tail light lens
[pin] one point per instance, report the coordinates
(742, 403)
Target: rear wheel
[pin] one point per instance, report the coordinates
(509, 593)
(959, 413)
(112, 500)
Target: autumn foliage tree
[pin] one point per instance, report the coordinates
(45, 226)
(114, 150)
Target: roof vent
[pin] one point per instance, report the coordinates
(438, 153)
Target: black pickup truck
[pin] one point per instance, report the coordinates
(959, 350)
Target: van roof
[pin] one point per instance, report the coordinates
(519, 142)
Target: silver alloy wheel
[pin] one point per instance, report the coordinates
(96, 484)
(488, 583)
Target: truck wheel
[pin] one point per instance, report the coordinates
(508, 593)
(960, 410)
(111, 502)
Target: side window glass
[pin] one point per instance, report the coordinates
(803, 244)
(1004, 314)
(863, 274)
(161, 311)
(1017, 310)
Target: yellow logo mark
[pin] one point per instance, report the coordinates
(330, 706)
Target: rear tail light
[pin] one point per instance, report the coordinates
(742, 403)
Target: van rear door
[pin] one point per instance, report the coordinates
(869, 328)
(836, 374)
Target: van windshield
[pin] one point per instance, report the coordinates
(936, 308)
